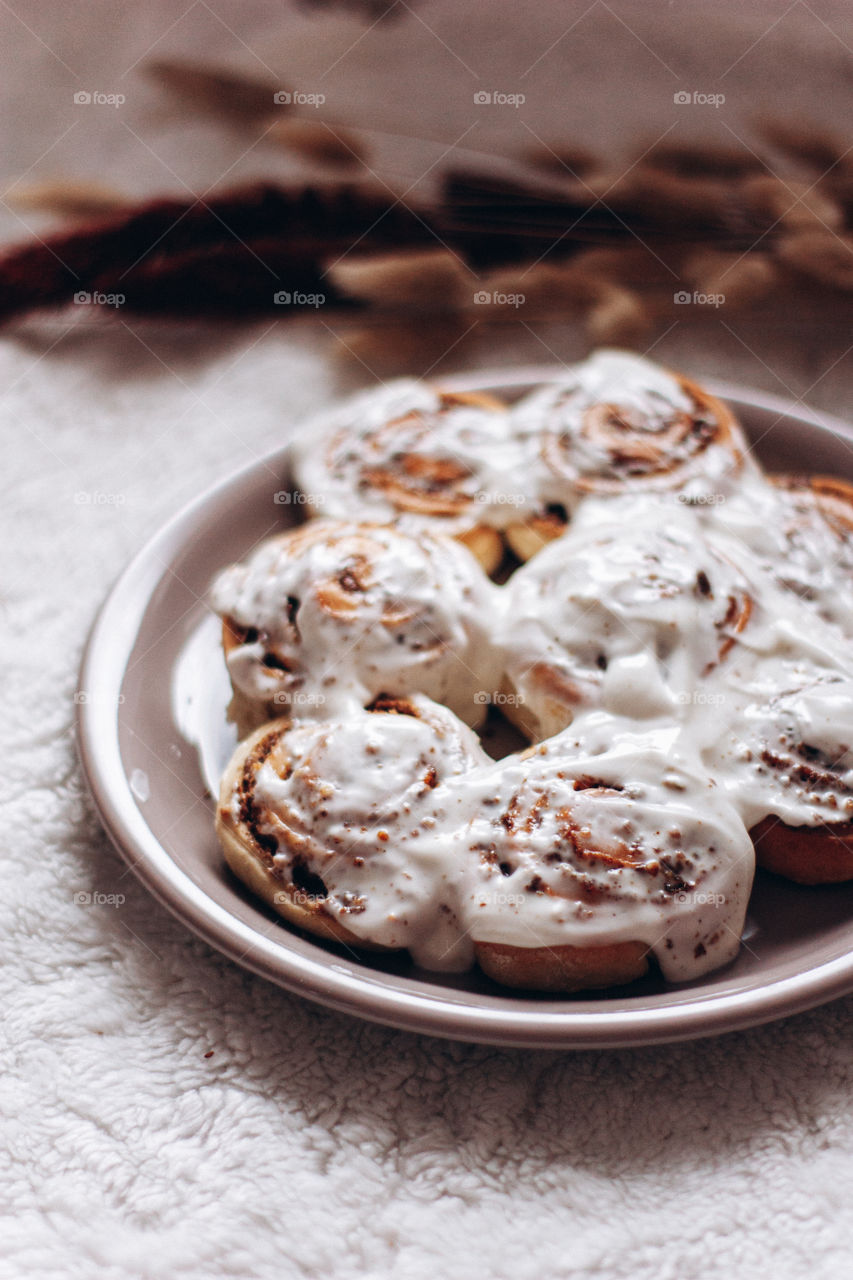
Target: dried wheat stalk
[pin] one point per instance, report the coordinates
(565, 234)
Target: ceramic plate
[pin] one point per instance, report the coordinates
(153, 739)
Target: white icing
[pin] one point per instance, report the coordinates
(629, 615)
(782, 744)
(690, 648)
(573, 446)
(613, 612)
(677, 866)
(367, 804)
(337, 457)
(785, 531)
(413, 614)
(500, 852)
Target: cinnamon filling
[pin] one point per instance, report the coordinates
(735, 620)
(427, 486)
(249, 813)
(414, 478)
(633, 448)
(825, 778)
(392, 705)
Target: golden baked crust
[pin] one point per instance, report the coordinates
(247, 855)
(563, 969)
(526, 537)
(485, 544)
(806, 855)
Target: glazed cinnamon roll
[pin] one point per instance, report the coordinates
(786, 758)
(391, 829)
(330, 614)
(425, 458)
(619, 424)
(590, 862)
(342, 826)
(631, 617)
(800, 528)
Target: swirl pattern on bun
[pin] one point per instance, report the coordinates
(786, 748)
(332, 613)
(619, 424)
(800, 529)
(422, 457)
(589, 863)
(342, 825)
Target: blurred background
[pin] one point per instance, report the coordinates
(703, 154)
(365, 189)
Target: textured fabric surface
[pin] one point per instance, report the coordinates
(165, 1113)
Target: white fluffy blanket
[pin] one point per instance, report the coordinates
(167, 1114)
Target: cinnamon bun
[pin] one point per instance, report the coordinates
(800, 528)
(589, 862)
(423, 457)
(330, 614)
(619, 424)
(631, 617)
(786, 756)
(342, 825)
